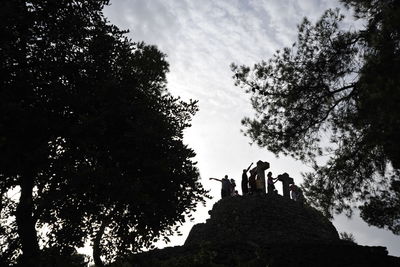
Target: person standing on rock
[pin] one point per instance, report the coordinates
(245, 181)
(232, 187)
(297, 193)
(225, 186)
(271, 183)
(252, 181)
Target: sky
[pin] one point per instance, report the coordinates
(201, 39)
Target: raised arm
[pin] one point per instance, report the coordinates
(249, 167)
(219, 180)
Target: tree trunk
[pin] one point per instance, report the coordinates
(97, 246)
(26, 223)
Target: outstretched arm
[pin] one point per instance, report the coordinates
(249, 167)
(219, 180)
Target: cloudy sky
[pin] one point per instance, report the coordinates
(201, 39)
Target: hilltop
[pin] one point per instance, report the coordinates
(264, 230)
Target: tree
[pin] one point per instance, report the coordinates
(331, 100)
(89, 134)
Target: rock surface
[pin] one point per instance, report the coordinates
(263, 220)
(266, 230)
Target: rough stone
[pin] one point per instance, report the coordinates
(264, 220)
(264, 230)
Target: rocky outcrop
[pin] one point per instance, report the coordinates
(265, 230)
(263, 220)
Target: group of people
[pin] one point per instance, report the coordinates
(255, 184)
(228, 187)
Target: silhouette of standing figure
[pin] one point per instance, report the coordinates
(252, 181)
(297, 194)
(225, 186)
(245, 181)
(271, 181)
(232, 187)
(286, 181)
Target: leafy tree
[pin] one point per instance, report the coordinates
(89, 134)
(332, 100)
(8, 241)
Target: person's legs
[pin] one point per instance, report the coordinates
(270, 188)
(245, 189)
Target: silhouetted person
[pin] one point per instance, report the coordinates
(225, 186)
(232, 187)
(261, 167)
(245, 181)
(297, 193)
(271, 183)
(252, 180)
(286, 181)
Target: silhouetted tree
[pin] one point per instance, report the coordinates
(334, 96)
(89, 134)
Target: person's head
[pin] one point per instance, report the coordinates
(269, 174)
(226, 176)
(232, 181)
(244, 170)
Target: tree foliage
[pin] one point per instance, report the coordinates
(89, 135)
(331, 100)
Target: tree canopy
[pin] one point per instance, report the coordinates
(331, 100)
(89, 136)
